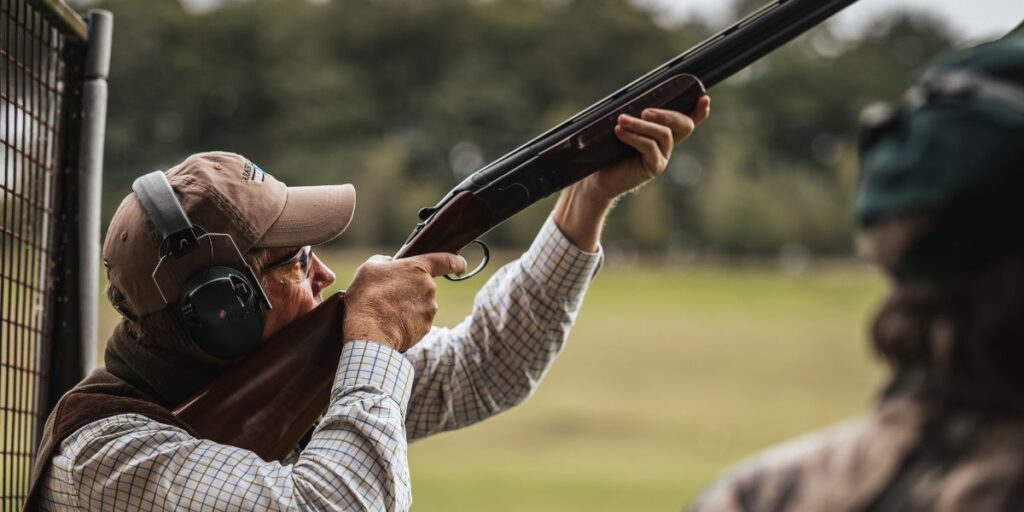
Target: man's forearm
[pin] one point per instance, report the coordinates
(496, 357)
(580, 217)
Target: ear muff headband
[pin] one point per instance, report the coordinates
(165, 212)
(221, 308)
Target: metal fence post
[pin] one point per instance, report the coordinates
(94, 116)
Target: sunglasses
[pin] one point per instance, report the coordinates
(293, 269)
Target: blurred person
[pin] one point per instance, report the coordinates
(940, 205)
(112, 444)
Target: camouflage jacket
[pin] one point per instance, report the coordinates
(902, 456)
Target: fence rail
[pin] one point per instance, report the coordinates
(41, 52)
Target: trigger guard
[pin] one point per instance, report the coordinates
(475, 271)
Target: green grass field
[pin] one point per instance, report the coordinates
(669, 376)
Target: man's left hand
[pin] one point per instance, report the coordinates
(582, 207)
(653, 134)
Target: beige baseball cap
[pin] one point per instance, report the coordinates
(221, 193)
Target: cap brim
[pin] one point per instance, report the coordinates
(311, 216)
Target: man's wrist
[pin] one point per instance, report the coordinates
(591, 197)
(358, 330)
(579, 214)
(375, 338)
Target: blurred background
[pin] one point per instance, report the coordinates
(730, 314)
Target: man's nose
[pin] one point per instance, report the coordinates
(320, 275)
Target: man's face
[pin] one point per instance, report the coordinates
(291, 291)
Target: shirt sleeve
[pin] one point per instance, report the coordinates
(356, 458)
(496, 357)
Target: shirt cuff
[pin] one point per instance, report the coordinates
(369, 366)
(564, 269)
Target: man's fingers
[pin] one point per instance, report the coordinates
(440, 263)
(654, 160)
(681, 125)
(702, 111)
(660, 133)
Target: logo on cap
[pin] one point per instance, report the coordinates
(252, 172)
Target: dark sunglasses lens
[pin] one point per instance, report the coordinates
(295, 269)
(304, 260)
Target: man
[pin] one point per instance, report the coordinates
(939, 202)
(397, 379)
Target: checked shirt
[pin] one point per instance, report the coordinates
(381, 399)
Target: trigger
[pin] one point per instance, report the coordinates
(475, 271)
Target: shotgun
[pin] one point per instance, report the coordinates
(274, 396)
(586, 142)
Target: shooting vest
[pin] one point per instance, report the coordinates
(147, 378)
(77, 409)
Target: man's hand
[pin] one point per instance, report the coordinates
(653, 134)
(582, 207)
(392, 301)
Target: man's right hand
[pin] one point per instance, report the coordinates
(392, 301)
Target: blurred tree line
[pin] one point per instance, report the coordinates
(404, 98)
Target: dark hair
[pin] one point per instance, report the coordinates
(964, 333)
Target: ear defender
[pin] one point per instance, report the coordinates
(222, 309)
(221, 312)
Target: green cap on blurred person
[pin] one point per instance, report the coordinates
(953, 152)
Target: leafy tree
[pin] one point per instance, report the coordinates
(404, 97)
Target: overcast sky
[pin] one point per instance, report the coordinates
(972, 19)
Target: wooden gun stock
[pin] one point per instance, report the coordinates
(267, 402)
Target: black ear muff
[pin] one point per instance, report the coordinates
(221, 312)
(221, 308)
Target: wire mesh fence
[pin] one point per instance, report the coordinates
(33, 113)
